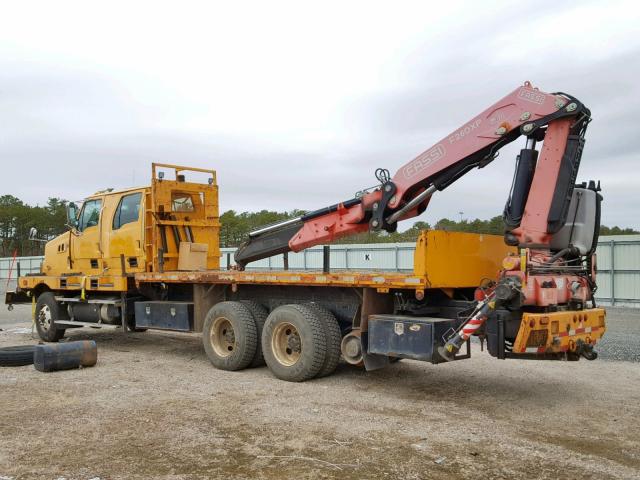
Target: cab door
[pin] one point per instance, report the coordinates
(85, 244)
(126, 235)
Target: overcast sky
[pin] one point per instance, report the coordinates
(295, 104)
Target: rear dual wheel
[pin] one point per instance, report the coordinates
(293, 343)
(297, 342)
(230, 336)
(259, 314)
(333, 337)
(300, 342)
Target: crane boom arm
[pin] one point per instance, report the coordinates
(526, 111)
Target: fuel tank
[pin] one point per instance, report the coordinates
(65, 356)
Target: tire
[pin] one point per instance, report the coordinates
(333, 336)
(294, 343)
(230, 336)
(48, 310)
(17, 356)
(260, 314)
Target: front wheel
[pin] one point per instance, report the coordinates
(48, 310)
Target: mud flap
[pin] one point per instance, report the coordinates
(372, 361)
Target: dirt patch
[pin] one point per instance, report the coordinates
(153, 407)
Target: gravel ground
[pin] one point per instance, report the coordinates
(153, 407)
(622, 340)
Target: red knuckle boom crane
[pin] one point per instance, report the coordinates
(553, 221)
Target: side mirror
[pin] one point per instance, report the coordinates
(33, 235)
(72, 215)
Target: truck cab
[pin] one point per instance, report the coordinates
(107, 226)
(111, 232)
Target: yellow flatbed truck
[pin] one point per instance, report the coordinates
(149, 258)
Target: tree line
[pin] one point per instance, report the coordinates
(18, 218)
(235, 228)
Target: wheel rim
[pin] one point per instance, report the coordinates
(223, 337)
(286, 344)
(44, 317)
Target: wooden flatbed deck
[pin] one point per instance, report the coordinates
(383, 281)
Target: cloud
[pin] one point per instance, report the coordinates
(297, 111)
(412, 119)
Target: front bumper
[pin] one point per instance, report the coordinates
(17, 297)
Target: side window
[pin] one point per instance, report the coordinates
(90, 215)
(128, 210)
(181, 202)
